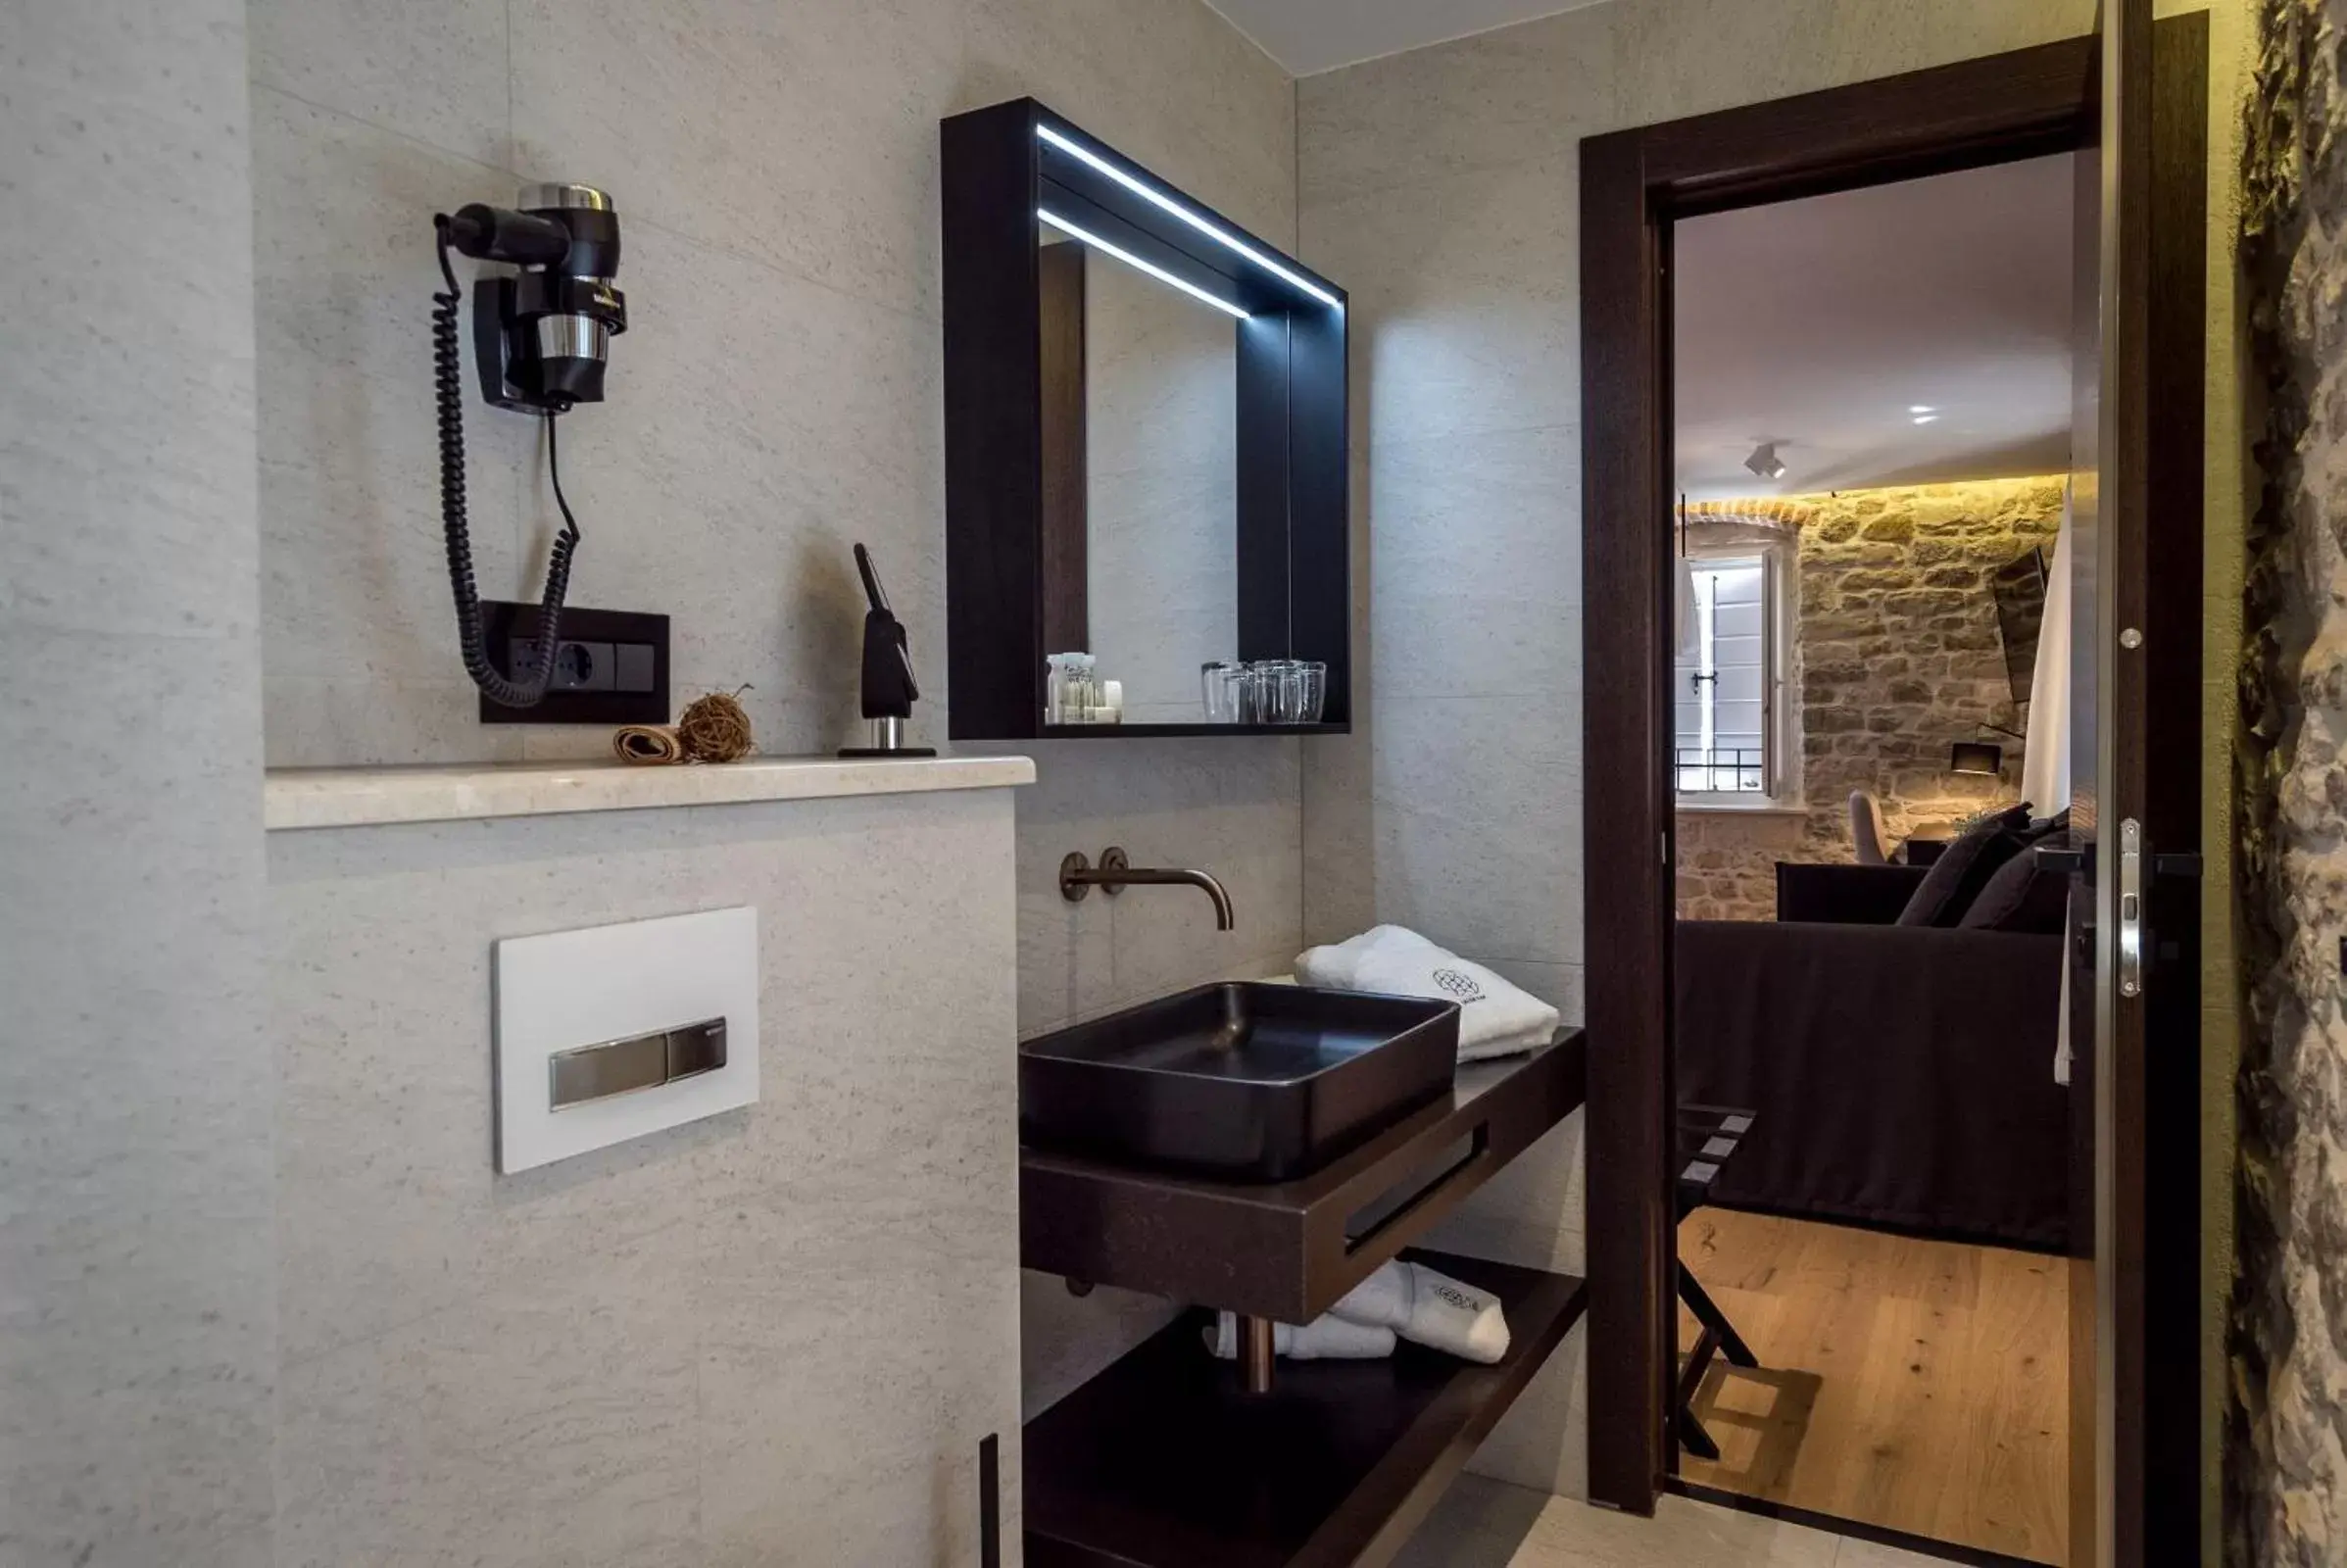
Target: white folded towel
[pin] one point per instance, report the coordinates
(1496, 1018)
(1336, 966)
(1325, 1339)
(1430, 1309)
(1532, 1039)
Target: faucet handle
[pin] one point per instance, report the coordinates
(1075, 885)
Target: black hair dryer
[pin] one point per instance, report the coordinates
(889, 688)
(541, 334)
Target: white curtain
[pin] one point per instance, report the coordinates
(2045, 760)
(2045, 768)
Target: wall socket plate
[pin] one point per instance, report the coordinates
(610, 669)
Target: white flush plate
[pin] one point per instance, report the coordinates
(569, 989)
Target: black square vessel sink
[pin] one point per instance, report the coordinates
(1243, 1081)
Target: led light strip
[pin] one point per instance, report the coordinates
(1143, 190)
(1133, 260)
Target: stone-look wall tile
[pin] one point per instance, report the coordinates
(1753, 53)
(802, 136)
(1222, 813)
(387, 1098)
(778, 1331)
(862, 1334)
(345, 720)
(137, 1355)
(125, 157)
(1543, 1441)
(777, 399)
(549, 1420)
(1518, 95)
(1476, 582)
(434, 69)
(1461, 299)
(1441, 186)
(1486, 861)
(137, 1351)
(1231, 808)
(1063, 1333)
(1171, 86)
(1340, 827)
(354, 579)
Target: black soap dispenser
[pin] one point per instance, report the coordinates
(889, 687)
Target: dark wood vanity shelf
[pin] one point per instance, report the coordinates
(1164, 1461)
(1289, 1249)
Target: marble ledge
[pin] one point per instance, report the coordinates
(299, 798)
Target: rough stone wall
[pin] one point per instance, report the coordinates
(2287, 1437)
(1896, 657)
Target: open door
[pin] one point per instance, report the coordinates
(2132, 1046)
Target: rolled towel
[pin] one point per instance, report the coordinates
(1430, 1309)
(1325, 1339)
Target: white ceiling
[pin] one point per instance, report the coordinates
(1818, 323)
(1306, 36)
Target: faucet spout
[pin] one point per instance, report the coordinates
(1078, 876)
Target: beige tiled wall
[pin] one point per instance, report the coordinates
(777, 396)
(136, 1356)
(774, 1336)
(1439, 187)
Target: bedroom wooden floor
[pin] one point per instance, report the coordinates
(1921, 1386)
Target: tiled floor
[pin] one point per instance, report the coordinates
(1482, 1524)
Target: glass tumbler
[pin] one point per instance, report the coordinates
(1219, 681)
(1253, 701)
(1315, 691)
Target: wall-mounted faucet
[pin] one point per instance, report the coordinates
(1078, 876)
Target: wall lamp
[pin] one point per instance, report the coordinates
(1980, 759)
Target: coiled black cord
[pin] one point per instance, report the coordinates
(448, 385)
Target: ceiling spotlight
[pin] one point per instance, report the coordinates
(1922, 408)
(1926, 419)
(1765, 462)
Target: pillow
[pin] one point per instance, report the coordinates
(2019, 896)
(1956, 878)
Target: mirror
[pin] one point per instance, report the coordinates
(1145, 470)
(1141, 477)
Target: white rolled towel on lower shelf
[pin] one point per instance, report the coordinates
(1430, 1309)
(1324, 1339)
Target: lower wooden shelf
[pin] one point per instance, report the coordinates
(1163, 1461)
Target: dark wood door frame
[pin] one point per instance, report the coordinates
(1634, 185)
